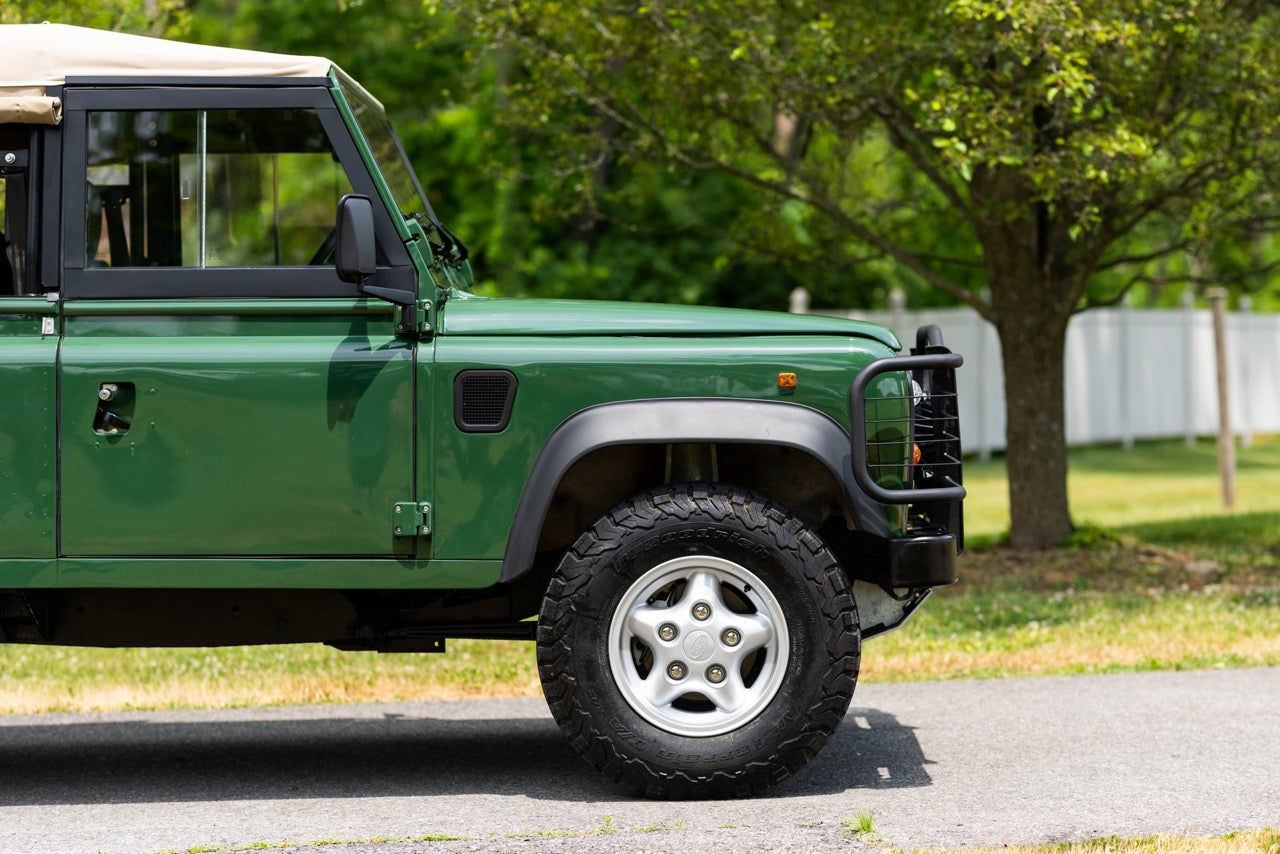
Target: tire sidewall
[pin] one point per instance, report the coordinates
(779, 567)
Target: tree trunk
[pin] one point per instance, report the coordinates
(1031, 304)
(1033, 347)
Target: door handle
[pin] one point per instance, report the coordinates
(115, 409)
(111, 423)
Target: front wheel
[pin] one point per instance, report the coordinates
(698, 641)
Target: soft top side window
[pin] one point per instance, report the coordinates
(210, 188)
(211, 192)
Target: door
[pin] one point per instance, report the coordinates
(223, 393)
(28, 351)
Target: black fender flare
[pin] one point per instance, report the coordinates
(682, 420)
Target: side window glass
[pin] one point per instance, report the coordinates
(210, 188)
(15, 222)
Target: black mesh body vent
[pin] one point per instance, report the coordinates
(482, 400)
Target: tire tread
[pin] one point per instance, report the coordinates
(720, 504)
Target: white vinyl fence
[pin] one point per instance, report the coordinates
(1131, 373)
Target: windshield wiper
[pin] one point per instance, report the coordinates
(453, 250)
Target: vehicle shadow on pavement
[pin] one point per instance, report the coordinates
(871, 749)
(158, 760)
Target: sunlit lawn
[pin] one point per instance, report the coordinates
(1160, 577)
(1152, 482)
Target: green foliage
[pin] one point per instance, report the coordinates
(1101, 119)
(1027, 159)
(618, 228)
(166, 18)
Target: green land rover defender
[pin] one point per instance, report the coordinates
(247, 397)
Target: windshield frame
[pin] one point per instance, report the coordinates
(384, 146)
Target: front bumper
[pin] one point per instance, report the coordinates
(925, 419)
(927, 560)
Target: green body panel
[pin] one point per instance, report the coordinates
(28, 434)
(254, 431)
(479, 477)
(17, 572)
(479, 316)
(269, 439)
(270, 573)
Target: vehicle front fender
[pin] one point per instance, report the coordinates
(682, 420)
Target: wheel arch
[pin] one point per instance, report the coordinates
(769, 425)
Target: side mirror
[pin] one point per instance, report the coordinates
(354, 239)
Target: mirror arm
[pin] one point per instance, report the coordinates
(401, 298)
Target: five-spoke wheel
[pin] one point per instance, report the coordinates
(698, 641)
(698, 646)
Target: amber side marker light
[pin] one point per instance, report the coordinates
(786, 380)
(915, 454)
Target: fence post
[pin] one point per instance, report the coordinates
(983, 404)
(1226, 440)
(799, 301)
(1189, 365)
(1126, 350)
(1242, 340)
(898, 306)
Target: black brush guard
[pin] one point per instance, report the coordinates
(925, 555)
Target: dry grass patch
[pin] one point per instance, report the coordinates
(1112, 602)
(1180, 633)
(49, 679)
(1265, 841)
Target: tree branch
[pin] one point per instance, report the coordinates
(905, 138)
(1210, 279)
(604, 101)
(1143, 258)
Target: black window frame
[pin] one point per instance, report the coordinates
(50, 213)
(82, 282)
(27, 189)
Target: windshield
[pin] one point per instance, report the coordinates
(386, 149)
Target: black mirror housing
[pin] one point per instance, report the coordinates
(355, 255)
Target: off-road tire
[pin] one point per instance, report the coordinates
(743, 537)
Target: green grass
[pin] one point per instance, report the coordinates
(861, 827)
(1154, 482)
(1157, 577)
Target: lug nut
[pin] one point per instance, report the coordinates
(676, 670)
(667, 631)
(701, 611)
(715, 674)
(731, 637)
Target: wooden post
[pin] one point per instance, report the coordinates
(1226, 441)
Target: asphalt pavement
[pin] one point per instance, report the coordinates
(948, 764)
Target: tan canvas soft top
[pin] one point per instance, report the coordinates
(36, 56)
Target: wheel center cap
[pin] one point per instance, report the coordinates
(698, 646)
